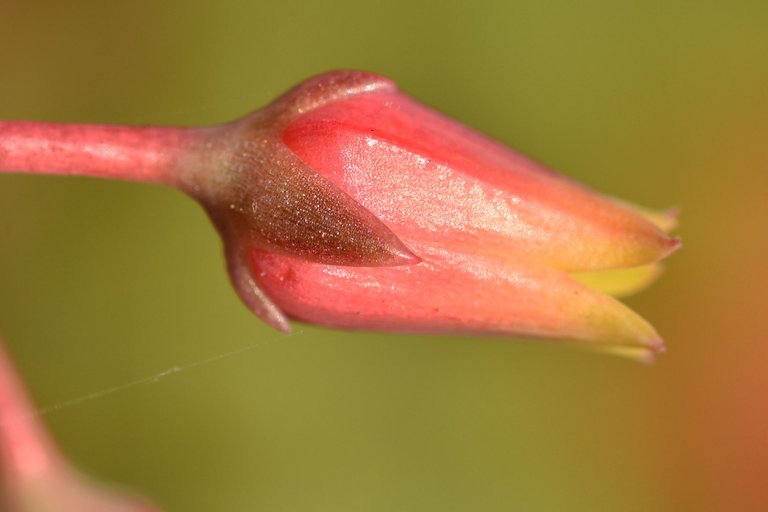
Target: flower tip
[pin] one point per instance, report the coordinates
(618, 328)
(649, 355)
(673, 244)
(671, 217)
(664, 246)
(638, 354)
(665, 220)
(641, 354)
(650, 340)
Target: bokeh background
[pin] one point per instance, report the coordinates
(102, 284)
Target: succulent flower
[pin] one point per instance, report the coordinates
(443, 229)
(348, 204)
(34, 477)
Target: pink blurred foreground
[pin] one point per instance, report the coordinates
(33, 475)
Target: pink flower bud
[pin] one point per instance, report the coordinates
(347, 203)
(34, 477)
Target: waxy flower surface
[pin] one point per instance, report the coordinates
(443, 229)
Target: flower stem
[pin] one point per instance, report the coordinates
(147, 154)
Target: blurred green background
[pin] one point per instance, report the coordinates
(659, 102)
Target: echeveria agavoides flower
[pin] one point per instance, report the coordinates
(347, 203)
(34, 477)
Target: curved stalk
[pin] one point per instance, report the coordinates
(146, 154)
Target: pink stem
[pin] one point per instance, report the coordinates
(148, 154)
(25, 448)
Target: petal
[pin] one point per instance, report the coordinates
(431, 179)
(639, 354)
(321, 90)
(450, 293)
(621, 282)
(666, 220)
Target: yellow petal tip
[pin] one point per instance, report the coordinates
(645, 355)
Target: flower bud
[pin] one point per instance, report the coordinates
(347, 203)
